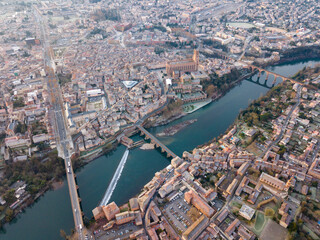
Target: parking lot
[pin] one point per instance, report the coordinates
(217, 204)
(176, 211)
(121, 232)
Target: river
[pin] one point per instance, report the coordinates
(52, 212)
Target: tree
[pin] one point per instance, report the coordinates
(21, 128)
(269, 212)
(265, 117)
(9, 196)
(211, 89)
(292, 227)
(18, 103)
(9, 214)
(282, 150)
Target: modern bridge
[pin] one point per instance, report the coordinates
(63, 138)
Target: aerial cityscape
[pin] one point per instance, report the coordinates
(160, 119)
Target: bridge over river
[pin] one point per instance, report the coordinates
(156, 142)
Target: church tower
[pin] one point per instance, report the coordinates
(195, 57)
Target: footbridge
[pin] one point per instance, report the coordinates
(156, 142)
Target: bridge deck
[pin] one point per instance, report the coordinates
(164, 147)
(275, 74)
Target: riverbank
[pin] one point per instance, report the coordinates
(57, 185)
(295, 55)
(98, 152)
(192, 107)
(161, 121)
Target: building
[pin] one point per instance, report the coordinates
(246, 212)
(232, 187)
(145, 197)
(40, 138)
(188, 65)
(125, 217)
(193, 198)
(288, 211)
(232, 227)
(176, 162)
(96, 103)
(134, 205)
(222, 215)
(110, 210)
(304, 189)
(245, 234)
(196, 228)
(243, 168)
(272, 181)
(123, 27)
(98, 213)
(314, 170)
(17, 142)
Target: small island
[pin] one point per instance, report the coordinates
(147, 146)
(170, 131)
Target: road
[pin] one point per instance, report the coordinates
(64, 142)
(245, 47)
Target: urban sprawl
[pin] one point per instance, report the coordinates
(80, 77)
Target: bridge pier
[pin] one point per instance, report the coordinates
(156, 142)
(254, 68)
(265, 82)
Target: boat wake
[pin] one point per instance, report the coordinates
(114, 180)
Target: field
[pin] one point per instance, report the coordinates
(273, 231)
(260, 220)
